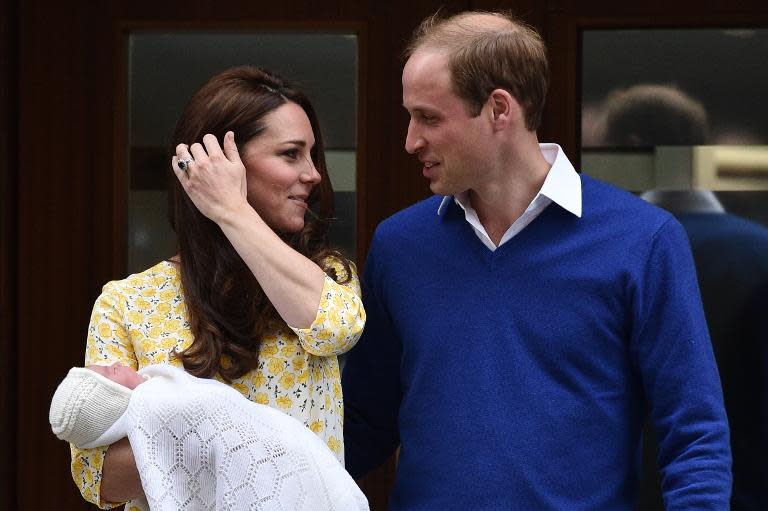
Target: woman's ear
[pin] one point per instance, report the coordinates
(505, 109)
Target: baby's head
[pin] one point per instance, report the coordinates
(89, 400)
(119, 373)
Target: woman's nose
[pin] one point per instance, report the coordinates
(310, 174)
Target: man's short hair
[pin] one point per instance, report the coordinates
(483, 55)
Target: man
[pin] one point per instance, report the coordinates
(521, 327)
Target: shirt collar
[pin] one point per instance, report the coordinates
(562, 184)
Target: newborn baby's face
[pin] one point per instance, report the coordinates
(119, 373)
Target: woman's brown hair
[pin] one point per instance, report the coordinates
(229, 312)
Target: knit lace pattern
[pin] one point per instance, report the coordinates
(200, 445)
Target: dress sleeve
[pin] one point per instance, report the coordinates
(107, 342)
(671, 346)
(340, 316)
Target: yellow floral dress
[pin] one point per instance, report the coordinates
(142, 319)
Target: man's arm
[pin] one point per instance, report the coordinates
(671, 347)
(371, 383)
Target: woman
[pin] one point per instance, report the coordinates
(255, 296)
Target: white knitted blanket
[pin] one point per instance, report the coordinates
(201, 445)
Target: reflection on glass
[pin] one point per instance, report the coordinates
(648, 115)
(689, 137)
(165, 69)
(647, 99)
(723, 70)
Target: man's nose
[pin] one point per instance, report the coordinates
(413, 139)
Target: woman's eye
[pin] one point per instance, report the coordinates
(291, 154)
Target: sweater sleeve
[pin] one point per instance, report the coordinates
(371, 383)
(671, 346)
(340, 316)
(107, 343)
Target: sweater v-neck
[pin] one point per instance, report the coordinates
(487, 256)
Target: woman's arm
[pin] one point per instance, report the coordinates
(216, 185)
(107, 342)
(340, 316)
(120, 480)
(291, 281)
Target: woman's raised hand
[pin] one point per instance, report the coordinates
(214, 179)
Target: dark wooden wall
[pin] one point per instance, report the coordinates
(62, 186)
(8, 268)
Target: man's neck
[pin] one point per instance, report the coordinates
(505, 196)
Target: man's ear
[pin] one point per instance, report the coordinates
(505, 109)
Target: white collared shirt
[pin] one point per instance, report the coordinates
(561, 186)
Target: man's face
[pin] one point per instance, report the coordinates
(450, 143)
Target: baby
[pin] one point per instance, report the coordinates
(200, 444)
(89, 400)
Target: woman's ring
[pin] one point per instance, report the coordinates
(184, 164)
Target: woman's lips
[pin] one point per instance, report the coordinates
(300, 201)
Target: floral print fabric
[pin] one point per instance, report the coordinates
(142, 320)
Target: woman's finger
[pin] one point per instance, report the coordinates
(183, 159)
(212, 146)
(198, 153)
(181, 175)
(182, 151)
(230, 148)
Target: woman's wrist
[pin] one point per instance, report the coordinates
(237, 214)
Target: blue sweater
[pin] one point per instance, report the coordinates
(730, 255)
(519, 378)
